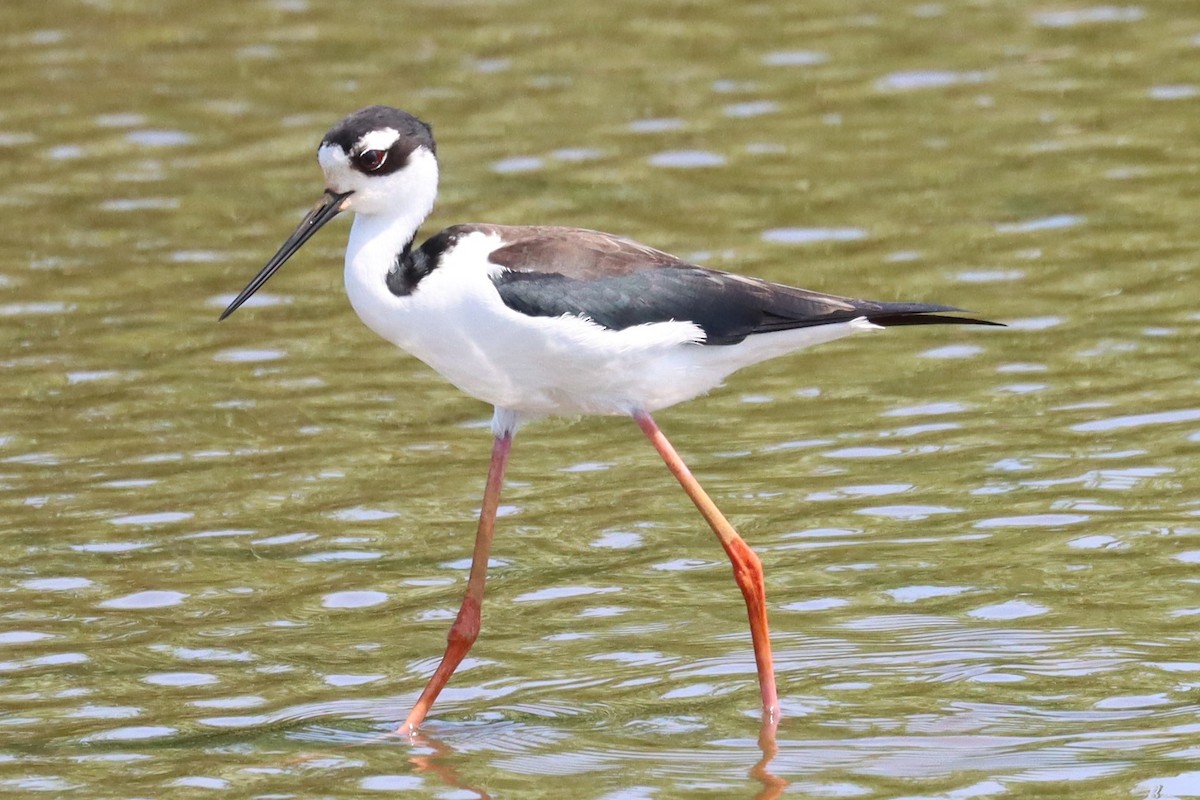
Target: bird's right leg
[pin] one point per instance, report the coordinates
(465, 629)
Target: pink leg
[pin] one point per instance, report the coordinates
(747, 569)
(465, 629)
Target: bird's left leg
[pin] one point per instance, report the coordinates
(747, 569)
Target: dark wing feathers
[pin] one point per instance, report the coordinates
(574, 252)
(683, 294)
(619, 283)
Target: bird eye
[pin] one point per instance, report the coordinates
(371, 160)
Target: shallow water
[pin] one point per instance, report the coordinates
(231, 552)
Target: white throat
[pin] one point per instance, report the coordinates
(388, 210)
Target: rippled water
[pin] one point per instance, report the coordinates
(231, 552)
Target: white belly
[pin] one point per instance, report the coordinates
(456, 323)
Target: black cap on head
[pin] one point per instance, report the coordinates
(373, 118)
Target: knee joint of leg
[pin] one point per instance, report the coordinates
(465, 629)
(463, 632)
(747, 568)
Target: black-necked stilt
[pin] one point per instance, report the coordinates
(545, 320)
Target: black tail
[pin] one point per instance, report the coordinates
(894, 320)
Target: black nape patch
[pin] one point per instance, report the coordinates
(413, 265)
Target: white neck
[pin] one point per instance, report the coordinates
(376, 241)
(387, 213)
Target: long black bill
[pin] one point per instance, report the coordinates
(329, 207)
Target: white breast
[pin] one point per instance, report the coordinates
(455, 322)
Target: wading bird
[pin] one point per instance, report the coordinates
(540, 320)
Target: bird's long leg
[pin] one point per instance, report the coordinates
(747, 569)
(465, 629)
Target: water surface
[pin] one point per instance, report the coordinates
(231, 552)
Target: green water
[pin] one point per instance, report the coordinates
(230, 552)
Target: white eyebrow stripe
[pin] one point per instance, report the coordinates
(381, 139)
